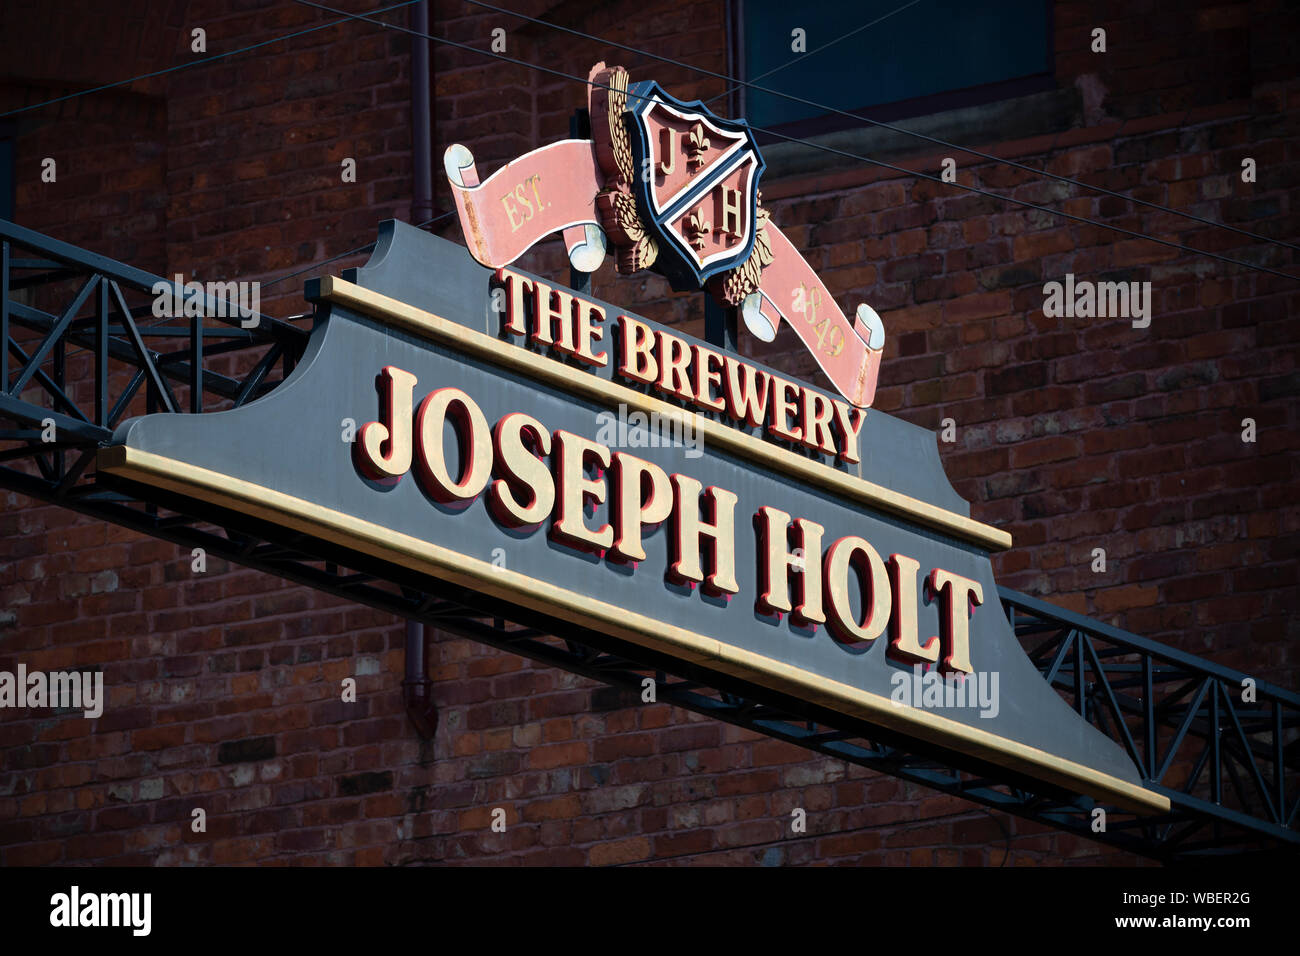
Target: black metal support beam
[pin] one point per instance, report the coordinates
(98, 318)
(1201, 725)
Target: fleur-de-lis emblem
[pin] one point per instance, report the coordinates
(697, 227)
(696, 145)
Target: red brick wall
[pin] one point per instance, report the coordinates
(1072, 434)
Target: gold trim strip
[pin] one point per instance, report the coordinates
(445, 564)
(507, 355)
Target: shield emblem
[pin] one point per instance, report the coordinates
(697, 183)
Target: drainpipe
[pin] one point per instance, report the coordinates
(417, 689)
(421, 136)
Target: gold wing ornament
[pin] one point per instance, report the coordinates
(635, 248)
(735, 284)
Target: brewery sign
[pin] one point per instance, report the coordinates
(548, 451)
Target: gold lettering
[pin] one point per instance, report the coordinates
(383, 448)
(837, 342)
(511, 211)
(747, 391)
(638, 339)
(850, 430)
(906, 644)
(957, 593)
(782, 408)
(727, 211)
(668, 147)
(707, 376)
(522, 470)
(674, 360)
(547, 317)
(475, 441)
(517, 286)
(586, 333)
(689, 529)
(522, 198)
(811, 298)
(569, 526)
(778, 565)
(817, 413)
(876, 597)
(636, 506)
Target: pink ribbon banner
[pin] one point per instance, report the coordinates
(848, 352)
(552, 189)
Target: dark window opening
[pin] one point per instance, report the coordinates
(935, 55)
